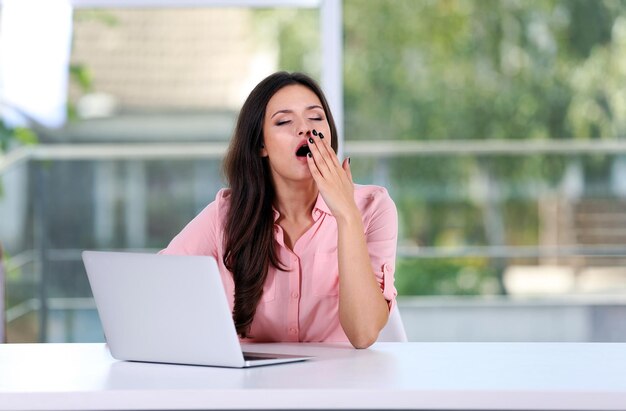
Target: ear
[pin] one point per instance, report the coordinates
(263, 151)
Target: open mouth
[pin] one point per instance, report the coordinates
(303, 151)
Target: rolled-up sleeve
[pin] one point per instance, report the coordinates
(381, 235)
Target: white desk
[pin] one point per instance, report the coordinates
(558, 376)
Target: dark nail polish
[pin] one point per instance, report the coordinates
(310, 140)
(314, 132)
(321, 135)
(348, 160)
(309, 154)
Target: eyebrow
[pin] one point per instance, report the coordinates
(291, 111)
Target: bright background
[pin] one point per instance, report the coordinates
(497, 126)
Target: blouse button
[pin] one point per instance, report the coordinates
(294, 295)
(293, 331)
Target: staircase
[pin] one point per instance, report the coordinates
(597, 223)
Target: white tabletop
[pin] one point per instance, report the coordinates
(549, 376)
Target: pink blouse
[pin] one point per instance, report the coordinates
(302, 303)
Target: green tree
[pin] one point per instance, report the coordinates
(474, 70)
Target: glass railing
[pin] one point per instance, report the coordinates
(497, 219)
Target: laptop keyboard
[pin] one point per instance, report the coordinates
(254, 357)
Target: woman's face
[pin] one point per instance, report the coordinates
(292, 113)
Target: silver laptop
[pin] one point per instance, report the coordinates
(169, 309)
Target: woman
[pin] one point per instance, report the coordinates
(304, 254)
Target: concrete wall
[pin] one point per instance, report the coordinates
(571, 319)
(430, 319)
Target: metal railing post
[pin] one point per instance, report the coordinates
(3, 322)
(41, 247)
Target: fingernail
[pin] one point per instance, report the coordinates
(310, 140)
(309, 154)
(315, 132)
(348, 160)
(321, 135)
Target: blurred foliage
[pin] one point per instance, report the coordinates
(479, 69)
(297, 32)
(10, 136)
(80, 74)
(452, 276)
(473, 70)
(20, 135)
(101, 16)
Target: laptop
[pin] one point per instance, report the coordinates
(168, 309)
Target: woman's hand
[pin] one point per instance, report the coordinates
(363, 310)
(334, 181)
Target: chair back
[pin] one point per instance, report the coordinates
(394, 330)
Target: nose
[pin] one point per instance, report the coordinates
(303, 128)
(304, 131)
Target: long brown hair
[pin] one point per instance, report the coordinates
(249, 230)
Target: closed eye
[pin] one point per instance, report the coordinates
(280, 123)
(316, 119)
